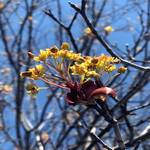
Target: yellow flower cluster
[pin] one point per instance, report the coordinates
(55, 53)
(42, 56)
(94, 66)
(84, 67)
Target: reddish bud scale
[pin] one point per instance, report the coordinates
(86, 92)
(103, 91)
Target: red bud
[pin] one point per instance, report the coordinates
(103, 91)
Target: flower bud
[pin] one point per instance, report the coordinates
(54, 49)
(26, 74)
(65, 46)
(32, 89)
(30, 55)
(108, 29)
(122, 69)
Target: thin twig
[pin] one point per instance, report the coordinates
(103, 42)
(95, 136)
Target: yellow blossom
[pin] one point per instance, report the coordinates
(53, 52)
(70, 55)
(94, 60)
(110, 68)
(32, 89)
(40, 69)
(63, 53)
(104, 63)
(42, 56)
(75, 57)
(78, 69)
(37, 72)
(67, 62)
(108, 29)
(87, 31)
(65, 46)
(92, 74)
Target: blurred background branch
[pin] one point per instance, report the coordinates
(31, 25)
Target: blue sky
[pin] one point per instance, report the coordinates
(46, 39)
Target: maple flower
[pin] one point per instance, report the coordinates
(42, 56)
(87, 31)
(92, 74)
(37, 71)
(32, 89)
(34, 73)
(79, 69)
(74, 72)
(65, 46)
(108, 29)
(110, 68)
(53, 52)
(94, 61)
